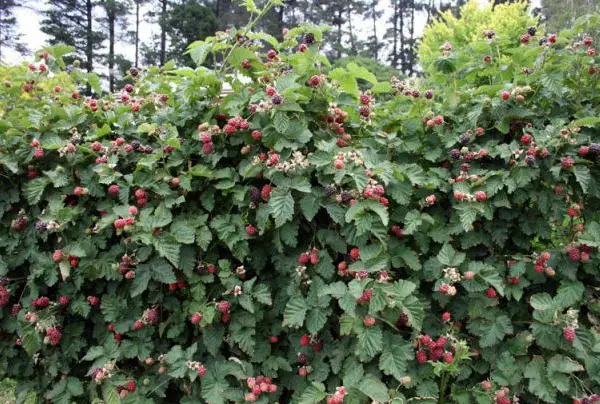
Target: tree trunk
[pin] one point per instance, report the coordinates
(410, 54)
(89, 46)
(395, 36)
(401, 34)
(352, 41)
(137, 32)
(163, 33)
(339, 38)
(110, 15)
(375, 41)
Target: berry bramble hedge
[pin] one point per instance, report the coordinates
(299, 240)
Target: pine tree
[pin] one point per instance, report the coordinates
(373, 46)
(116, 15)
(9, 37)
(71, 22)
(186, 23)
(136, 33)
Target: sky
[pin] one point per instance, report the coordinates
(29, 26)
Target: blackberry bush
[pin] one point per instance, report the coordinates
(300, 240)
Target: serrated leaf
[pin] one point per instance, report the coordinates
(374, 388)
(370, 341)
(395, 355)
(295, 312)
(34, 189)
(281, 206)
(583, 177)
(495, 331)
(450, 257)
(313, 394)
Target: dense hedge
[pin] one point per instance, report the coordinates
(301, 241)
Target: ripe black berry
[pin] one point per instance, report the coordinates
(329, 190)
(531, 31)
(595, 148)
(309, 38)
(455, 154)
(543, 41)
(277, 100)
(135, 144)
(463, 139)
(346, 197)
(254, 194)
(41, 226)
(530, 160)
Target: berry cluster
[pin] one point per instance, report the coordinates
(431, 121)
(343, 158)
(579, 253)
(129, 387)
(276, 98)
(594, 398)
(235, 124)
(316, 80)
(541, 263)
(40, 302)
(591, 151)
(428, 349)
(501, 396)
(98, 375)
(375, 191)
(224, 308)
(338, 396)
(297, 162)
(126, 263)
(366, 101)
(478, 196)
(259, 385)
(175, 286)
(196, 366)
(335, 121)
(149, 317)
(53, 336)
(4, 295)
(141, 198)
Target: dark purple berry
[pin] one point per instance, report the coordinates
(543, 41)
(530, 160)
(41, 226)
(254, 194)
(595, 148)
(455, 154)
(428, 94)
(135, 144)
(277, 100)
(309, 38)
(329, 190)
(346, 197)
(463, 139)
(531, 31)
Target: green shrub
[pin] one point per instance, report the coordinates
(170, 244)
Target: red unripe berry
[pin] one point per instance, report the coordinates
(138, 325)
(256, 134)
(526, 139)
(446, 316)
(196, 318)
(304, 340)
(355, 253)
(486, 385)
(251, 230)
(131, 386)
(569, 334)
(304, 258)
(421, 357)
(303, 371)
(273, 339)
(469, 275)
(491, 293)
(64, 300)
(448, 357)
(369, 321)
(114, 189)
(338, 164)
(57, 256)
(481, 196)
(223, 306)
(505, 95)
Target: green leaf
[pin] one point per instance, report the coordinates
(369, 205)
(539, 384)
(450, 257)
(295, 312)
(542, 301)
(313, 394)
(34, 189)
(162, 216)
(281, 205)
(583, 177)
(316, 319)
(395, 355)
(370, 341)
(110, 395)
(182, 232)
(198, 51)
(495, 331)
(168, 250)
(373, 388)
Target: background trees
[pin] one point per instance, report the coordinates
(124, 33)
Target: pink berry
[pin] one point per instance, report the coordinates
(304, 340)
(569, 334)
(196, 318)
